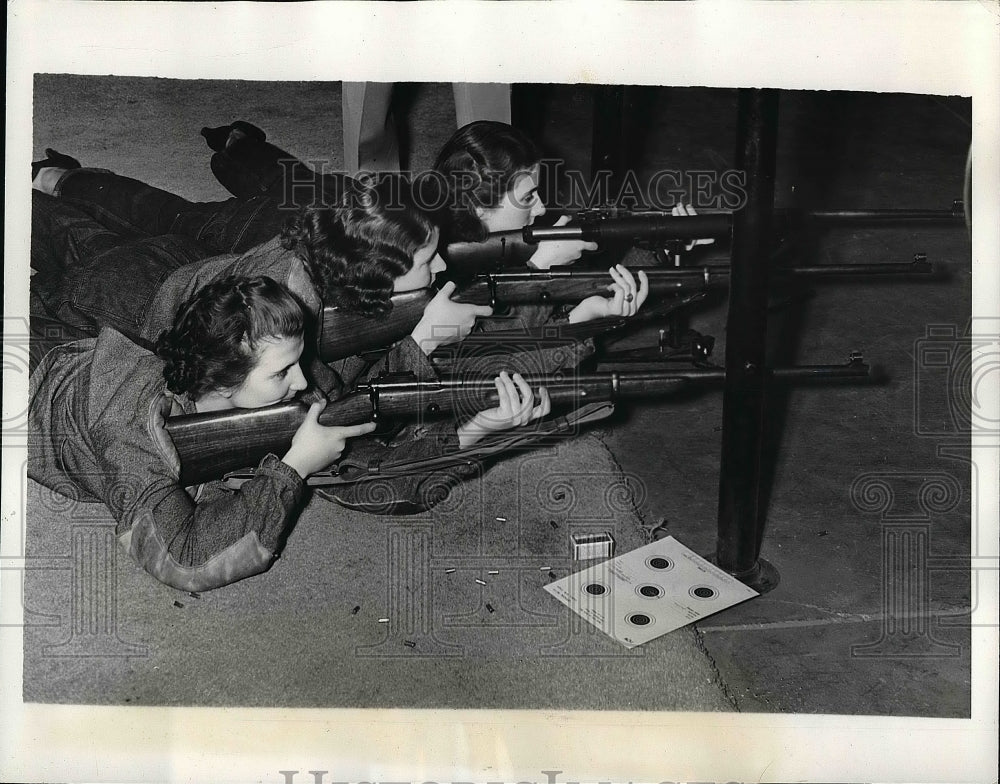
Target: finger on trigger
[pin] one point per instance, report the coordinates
(447, 289)
(358, 430)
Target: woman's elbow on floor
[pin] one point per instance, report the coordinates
(242, 559)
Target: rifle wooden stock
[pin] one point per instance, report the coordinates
(213, 444)
(344, 334)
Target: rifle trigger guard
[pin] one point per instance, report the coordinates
(492, 283)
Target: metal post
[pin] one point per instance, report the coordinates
(737, 547)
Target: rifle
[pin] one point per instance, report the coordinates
(212, 444)
(651, 229)
(344, 334)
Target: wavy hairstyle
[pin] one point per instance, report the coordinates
(480, 163)
(213, 342)
(356, 249)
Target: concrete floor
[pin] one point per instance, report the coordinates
(802, 647)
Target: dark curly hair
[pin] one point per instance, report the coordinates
(213, 342)
(354, 250)
(479, 163)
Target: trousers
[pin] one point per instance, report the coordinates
(371, 140)
(93, 269)
(227, 226)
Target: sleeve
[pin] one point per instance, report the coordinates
(200, 543)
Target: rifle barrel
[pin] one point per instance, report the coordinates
(660, 226)
(886, 216)
(470, 395)
(343, 334)
(916, 267)
(638, 227)
(213, 444)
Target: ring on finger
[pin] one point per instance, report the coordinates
(629, 297)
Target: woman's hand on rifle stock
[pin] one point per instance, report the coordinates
(315, 446)
(625, 299)
(445, 321)
(516, 407)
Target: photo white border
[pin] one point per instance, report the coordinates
(926, 47)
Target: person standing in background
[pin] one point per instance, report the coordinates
(371, 138)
